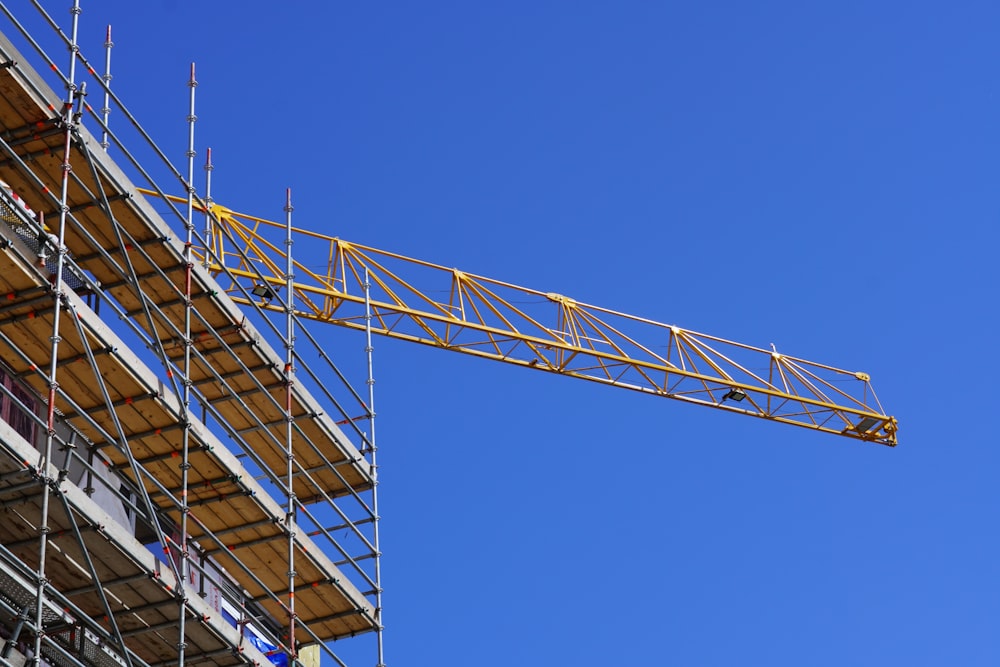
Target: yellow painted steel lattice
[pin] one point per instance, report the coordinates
(426, 303)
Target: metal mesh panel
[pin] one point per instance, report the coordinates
(77, 641)
(42, 244)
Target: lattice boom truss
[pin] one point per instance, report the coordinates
(426, 303)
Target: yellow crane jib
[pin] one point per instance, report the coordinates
(421, 302)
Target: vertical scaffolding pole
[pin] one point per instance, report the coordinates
(290, 520)
(209, 168)
(186, 380)
(106, 109)
(369, 350)
(69, 120)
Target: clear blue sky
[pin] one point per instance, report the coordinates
(822, 176)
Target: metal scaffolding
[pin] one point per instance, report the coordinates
(174, 490)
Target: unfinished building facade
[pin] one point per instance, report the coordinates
(176, 485)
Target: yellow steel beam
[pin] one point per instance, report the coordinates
(426, 303)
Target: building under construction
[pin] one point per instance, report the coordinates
(176, 487)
